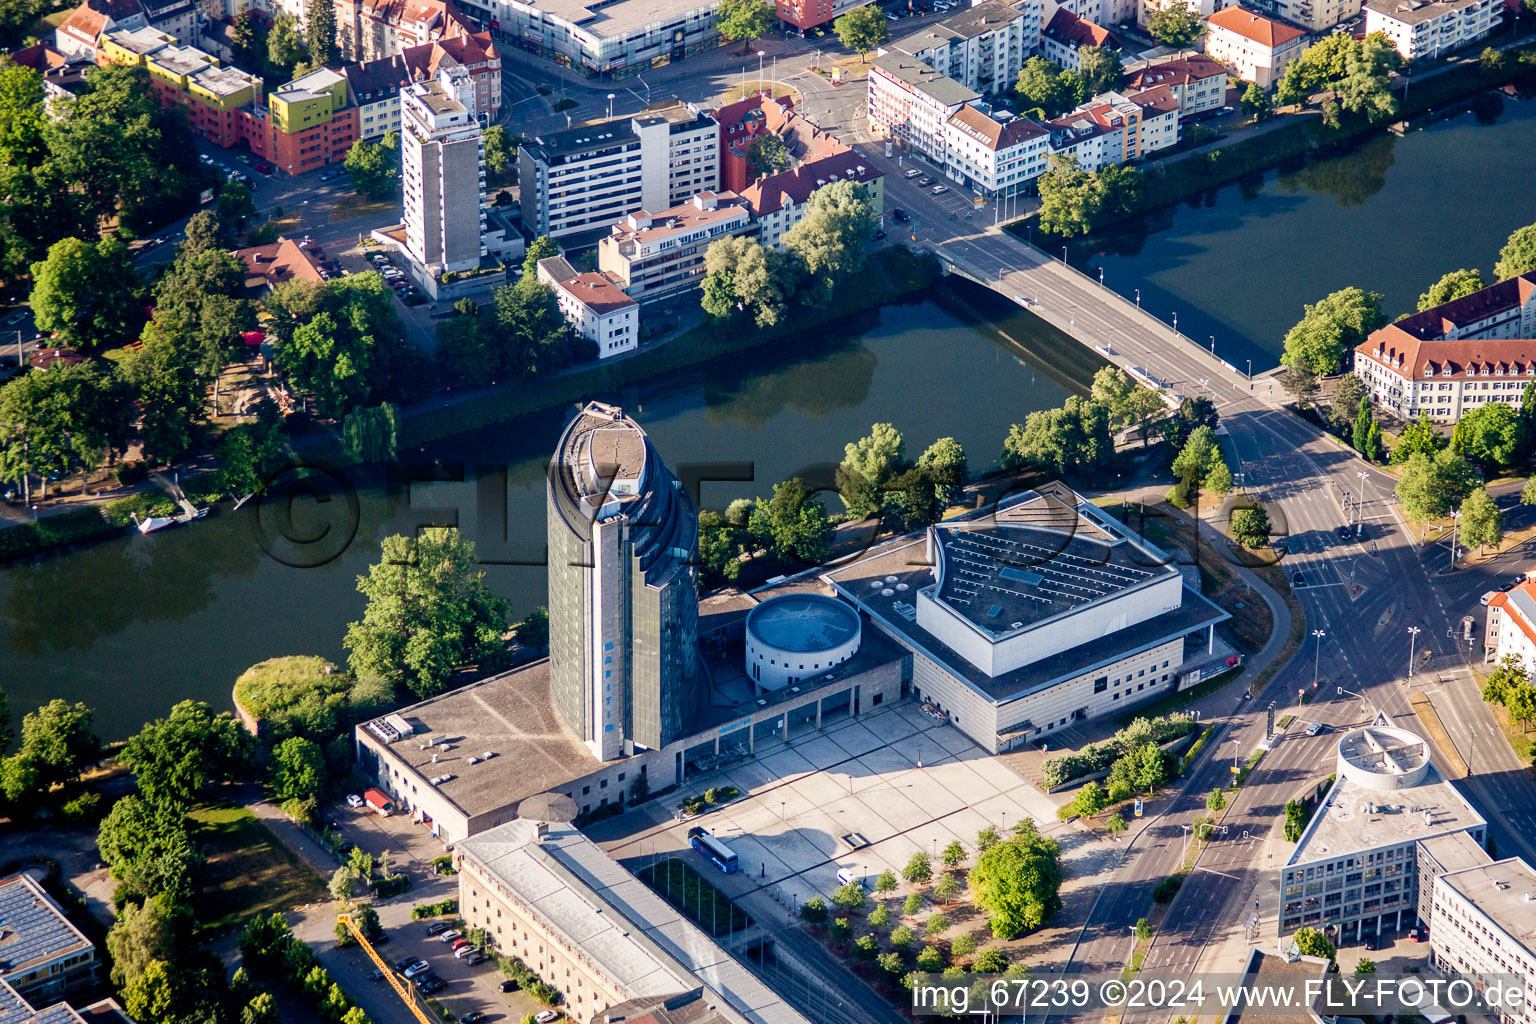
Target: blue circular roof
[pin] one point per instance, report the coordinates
(803, 623)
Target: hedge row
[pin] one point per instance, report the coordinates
(1099, 757)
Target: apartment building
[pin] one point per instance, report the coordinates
(777, 202)
(982, 47)
(79, 34)
(1482, 928)
(913, 102)
(442, 171)
(1456, 356)
(306, 124)
(615, 38)
(1198, 83)
(743, 123)
(1313, 15)
(1100, 12)
(1113, 128)
(594, 305)
(994, 152)
(180, 19)
(43, 956)
(804, 14)
(1511, 627)
(1066, 34)
(213, 96)
(586, 178)
(373, 29)
(1257, 48)
(651, 256)
(1428, 28)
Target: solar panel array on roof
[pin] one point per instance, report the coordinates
(32, 927)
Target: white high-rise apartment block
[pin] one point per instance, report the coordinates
(1428, 28)
(982, 47)
(442, 156)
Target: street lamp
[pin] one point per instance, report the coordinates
(1364, 476)
(1317, 652)
(1213, 344)
(1413, 638)
(610, 106)
(1138, 298)
(1063, 255)
(1175, 323)
(1101, 277)
(759, 71)
(1184, 858)
(1455, 522)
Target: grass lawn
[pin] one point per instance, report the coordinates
(357, 205)
(248, 871)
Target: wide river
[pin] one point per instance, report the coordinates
(133, 625)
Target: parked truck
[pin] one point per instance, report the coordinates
(380, 802)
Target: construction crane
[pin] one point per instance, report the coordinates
(395, 981)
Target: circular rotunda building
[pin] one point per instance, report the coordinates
(795, 636)
(1383, 757)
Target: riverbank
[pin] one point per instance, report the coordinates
(893, 274)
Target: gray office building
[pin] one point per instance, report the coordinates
(623, 587)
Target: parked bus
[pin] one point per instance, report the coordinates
(719, 854)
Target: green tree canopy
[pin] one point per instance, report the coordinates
(862, 29)
(1453, 285)
(743, 277)
(1099, 68)
(374, 167)
(157, 929)
(84, 294)
(175, 757)
(106, 142)
(744, 20)
(868, 465)
(1330, 327)
(1481, 521)
(429, 611)
(1518, 255)
(499, 150)
(767, 155)
(1418, 437)
(66, 419)
(944, 463)
(1250, 526)
(793, 524)
(1071, 438)
(1018, 883)
(320, 32)
(298, 769)
(1314, 943)
(285, 46)
(829, 243)
(1490, 435)
(339, 343)
(149, 848)
(1175, 24)
(1433, 485)
(541, 248)
(1051, 88)
(1256, 102)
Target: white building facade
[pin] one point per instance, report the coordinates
(1428, 28)
(983, 47)
(442, 156)
(996, 153)
(1511, 627)
(594, 306)
(911, 101)
(1482, 929)
(616, 39)
(1259, 49)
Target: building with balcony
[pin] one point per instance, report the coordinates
(374, 29)
(594, 305)
(180, 19)
(804, 14)
(993, 151)
(306, 124)
(43, 957)
(442, 172)
(1456, 356)
(1066, 34)
(911, 101)
(215, 97)
(1113, 128)
(79, 34)
(1388, 825)
(1482, 928)
(1257, 48)
(1198, 83)
(584, 179)
(615, 38)
(1428, 28)
(1200, 8)
(982, 47)
(777, 202)
(651, 256)
(1313, 15)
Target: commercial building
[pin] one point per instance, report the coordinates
(1256, 47)
(1456, 356)
(16, 1010)
(594, 305)
(214, 96)
(43, 957)
(778, 202)
(1198, 83)
(584, 179)
(548, 895)
(912, 102)
(1385, 827)
(442, 172)
(994, 151)
(616, 38)
(655, 255)
(1066, 34)
(1511, 626)
(1428, 28)
(982, 47)
(804, 14)
(1035, 615)
(623, 587)
(1482, 928)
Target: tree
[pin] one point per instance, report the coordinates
(886, 882)
(767, 155)
(1433, 485)
(1200, 454)
(1099, 69)
(1018, 883)
(1527, 497)
(1481, 521)
(1518, 255)
(320, 32)
(814, 910)
(947, 889)
(373, 167)
(849, 896)
(243, 38)
(1365, 968)
(954, 854)
(298, 769)
(285, 47)
(84, 294)
(1418, 437)
(1250, 527)
(918, 869)
(742, 276)
(1362, 437)
(149, 849)
(944, 463)
(56, 422)
(541, 248)
(1120, 189)
(1490, 63)
(1072, 438)
(1215, 800)
(868, 465)
(343, 884)
(937, 922)
(1256, 102)
(174, 758)
(1295, 820)
(1366, 87)
(1312, 942)
(1069, 202)
(793, 524)
(743, 21)
(106, 143)
(829, 243)
(929, 959)
(372, 434)
(56, 744)
(1090, 800)
(156, 929)
(499, 150)
(1454, 285)
(171, 396)
(902, 937)
(1114, 824)
(1175, 24)
(159, 993)
(862, 30)
(1331, 327)
(262, 1009)
(1491, 435)
(1044, 85)
(1344, 402)
(340, 343)
(1193, 413)
(1112, 388)
(912, 904)
(891, 963)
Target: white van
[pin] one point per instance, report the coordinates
(846, 875)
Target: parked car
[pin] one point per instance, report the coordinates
(925, 181)
(475, 959)
(545, 1016)
(438, 928)
(878, 235)
(353, 800)
(509, 985)
(263, 168)
(409, 961)
(417, 969)
(901, 215)
(429, 983)
(464, 952)
(460, 943)
(912, 173)
(472, 1017)
(450, 935)
(939, 190)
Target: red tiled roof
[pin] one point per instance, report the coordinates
(1414, 358)
(1480, 305)
(40, 57)
(1160, 99)
(1070, 30)
(1501, 600)
(283, 260)
(1181, 71)
(996, 134)
(767, 195)
(1258, 28)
